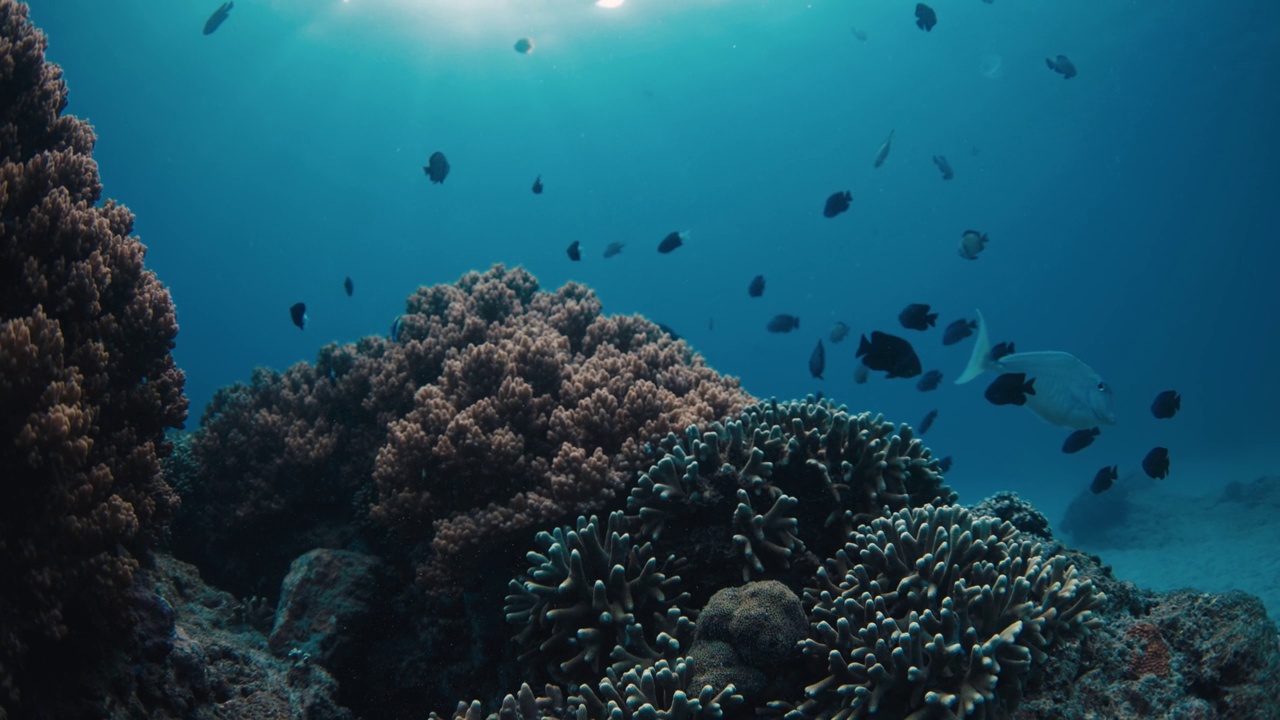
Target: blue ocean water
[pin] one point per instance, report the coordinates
(1130, 208)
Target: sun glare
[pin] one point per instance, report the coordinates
(609, 3)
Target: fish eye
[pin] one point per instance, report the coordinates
(1102, 387)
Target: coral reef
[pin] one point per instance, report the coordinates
(745, 634)
(662, 692)
(87, 383)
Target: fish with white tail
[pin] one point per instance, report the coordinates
(1068, 392)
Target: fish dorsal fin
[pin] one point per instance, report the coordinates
(980, 358)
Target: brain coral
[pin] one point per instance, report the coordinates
(87, 382)
(935, 613)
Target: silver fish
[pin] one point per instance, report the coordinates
(1068, 392)
(883, 152)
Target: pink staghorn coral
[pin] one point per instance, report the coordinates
(87, 381)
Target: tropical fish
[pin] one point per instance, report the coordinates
(839, 332)
(783, 323)
(524, 46)
(1156, 463)
(1080, 440)
(927, 422)
(889, 354)
(972, 243)
(943, 166)
(349, 286)
(217, 18)
(1002, 349)
(1068, 392)
(1011, 389)
(916, 316)
(437, 167)
(818, 361)
(672, 241)
(944, 465)
(299, 314)
(613, 248)
(860, 374)
(860, 34)
(1166, 405)
(537, 185)
(575, 251)
(926, 18)
(837, 203)
(883, 152)
(756, 288)
(1103, 480)
(958, 330)
(667, 329)
(396, 325)
(1063, 66)
(930, 381)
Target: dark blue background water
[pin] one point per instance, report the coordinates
(1129, 208)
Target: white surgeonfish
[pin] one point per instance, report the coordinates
(1068, 392)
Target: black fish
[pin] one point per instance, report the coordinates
(944, 465)
(524, 46)
(299, 314)
(926, 18)
(1156, 463)
(1080, 440)
(890, 354)
(613, 249)
(1062, 66)
(1000, 350)
(537, 185)
(927, 422)
(667, 329)
(1102, 481)
(944, 166)
(958, 331)
(437, 167)
(756, 288)
(349, 286)
(1166, 404)
(929, 381)
(916, 316)
(783, 323)
(837, 203)
(575, 252)
(217, 18)
(860, 374)
(1011, 389)
(818, 361)
(670, 242)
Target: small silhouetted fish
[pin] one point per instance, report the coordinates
(860, 34)
(1156, 463)
(395, 329)
(575, 251)
(916, 316)
(299, 314)
(756, 288)
(944, 166)
(958, 330)
(890, 354)
(839, 332)
(667, 329)
(783, 323)
(861, 374)
(672, 241)
(818, 360)
(837, 203)
(1080, 440)
(1011, 389)
(711, 323)
(1000, 350)
(349, 286)
(927, 422)
(1166, 404)
(926, 18)
(1103, 480)
(217, 18)
(972, 243)
(537, 185)
(944, 465)
(524, 46)
(883, 152)
(613, 248)
(1063, 66)
(437, 167)
(930, 381)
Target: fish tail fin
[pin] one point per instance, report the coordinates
(980, 358)
(864, 347)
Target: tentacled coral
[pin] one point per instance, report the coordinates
(661, 692)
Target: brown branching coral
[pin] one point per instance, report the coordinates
(87, 381)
